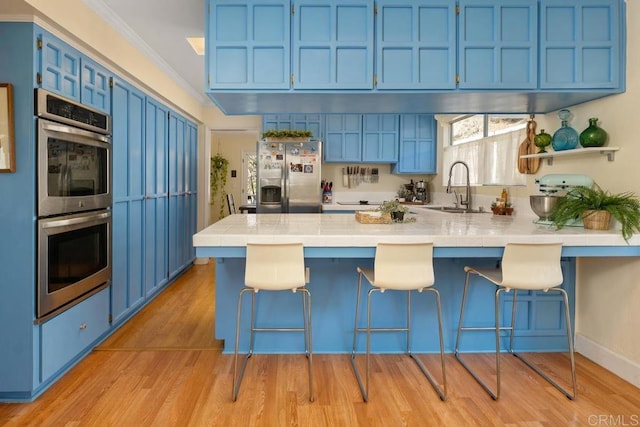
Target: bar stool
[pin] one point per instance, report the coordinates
(398, 267)
(274, 267)
(525, 266)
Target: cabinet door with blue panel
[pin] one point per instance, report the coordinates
(58, 66)
(581, 44)
(177, 193)
(380, 133)
(311, 122)
(156, 198)
(332, 44)
(498, 44)
(417, 144)
(343, 134)
(416, 45)
(248, 44)
(191, 176)
(94, 85)
(128, 112)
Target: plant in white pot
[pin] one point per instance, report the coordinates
(595, 207)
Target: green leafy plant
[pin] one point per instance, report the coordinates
(624, 207)
(218, 180)
(395, 210)
(287, 133)
(404, 193)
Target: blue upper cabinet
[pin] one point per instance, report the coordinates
(343, 138)
(312, 122)
(94, 81)
(248, 44)
(498, 44)
(63, 70)
(417, 144)
(416, 45)
(58, 66)
(332, 44)
(380, 134)
(581, 44)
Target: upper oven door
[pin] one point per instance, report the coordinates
(74, 169)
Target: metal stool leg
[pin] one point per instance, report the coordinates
(530, 364)
(355, 338)
(364, 385)
(497, 330)
(442, 393)
(306, 307)
(237, 378)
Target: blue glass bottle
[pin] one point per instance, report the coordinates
(565, 138)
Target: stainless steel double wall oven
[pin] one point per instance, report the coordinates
(74, 202)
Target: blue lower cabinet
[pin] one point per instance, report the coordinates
(68, 335)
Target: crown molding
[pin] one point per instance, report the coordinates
(121, 27)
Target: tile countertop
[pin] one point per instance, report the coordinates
(445, 230)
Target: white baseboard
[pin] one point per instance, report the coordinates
(619, 365)
(201, 261)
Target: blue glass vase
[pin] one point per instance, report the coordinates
(565, 138)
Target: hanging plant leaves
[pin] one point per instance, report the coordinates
(218, 181)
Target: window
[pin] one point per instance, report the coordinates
(249, 176)
(478, 126)
(488, 144)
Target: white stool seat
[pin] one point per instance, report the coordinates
(274, 267)
(524, 266)
(398, 267)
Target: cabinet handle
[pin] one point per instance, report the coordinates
(83, 326)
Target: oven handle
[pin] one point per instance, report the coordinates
(51, 223)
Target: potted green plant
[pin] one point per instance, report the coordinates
(595, 207)
(287, 134)
(395, 209)
(404, 194)
(218, 180)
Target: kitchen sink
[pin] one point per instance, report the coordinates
(453, 209)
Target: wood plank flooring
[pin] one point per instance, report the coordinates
(165, 369)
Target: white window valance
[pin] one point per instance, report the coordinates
(492, 161)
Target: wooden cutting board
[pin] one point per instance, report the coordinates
(528, 166)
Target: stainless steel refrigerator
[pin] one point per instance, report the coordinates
(289, 177)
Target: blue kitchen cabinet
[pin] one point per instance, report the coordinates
(417, 144)
(248, 44)
(416, 45)
(127, 286)
(380, 136)
(70, 334)
(180, 135)
(343, 134)
(332, 44)
(58, 67)
(94, 85)
(312, 122)
(581, 44)
(191, 185)
(156, 197)
(498, 44)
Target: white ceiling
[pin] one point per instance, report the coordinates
(160, 28)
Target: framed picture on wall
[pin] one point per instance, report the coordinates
(7, 141)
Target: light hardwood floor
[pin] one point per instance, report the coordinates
(164, 368)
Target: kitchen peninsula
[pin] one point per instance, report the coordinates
(336, 243)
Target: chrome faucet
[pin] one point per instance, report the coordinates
(467, 200)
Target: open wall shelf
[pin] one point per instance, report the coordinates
(608, 151)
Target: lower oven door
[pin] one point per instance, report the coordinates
(74, 258)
